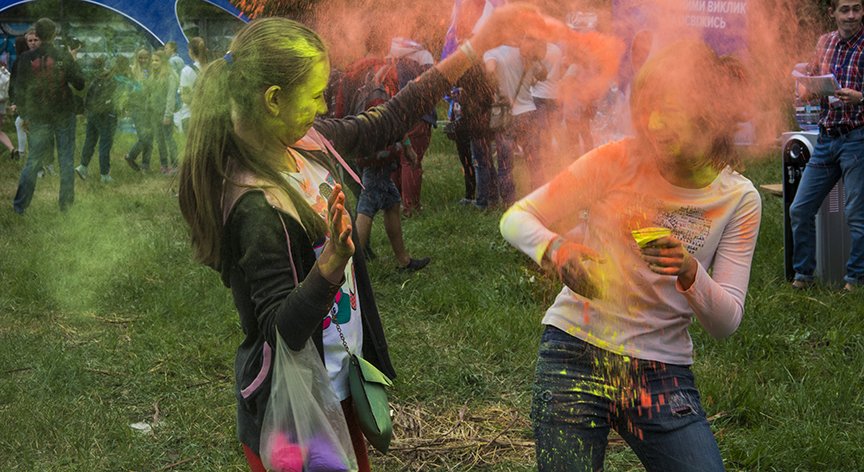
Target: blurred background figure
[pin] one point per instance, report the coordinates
(137, 109)
(48, 109)
(160, 88)
(412, 59)
(514, 70)
(101, 100)
(199, 54)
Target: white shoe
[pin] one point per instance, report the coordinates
(81, 171)
(106, 179)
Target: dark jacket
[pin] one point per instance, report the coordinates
(261, 259)
(43, 81)
(476, 99)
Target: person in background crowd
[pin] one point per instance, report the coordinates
(173, 59)
(100, 104)
(48, 109)
(21, 46)
(670, 238)
(161, 91)
(472, 134)
(137, 108)
(411, 59)
(838, 151)
(547, 126)
(515, 70)
(259, 187)
(188, 76)
(4, 138)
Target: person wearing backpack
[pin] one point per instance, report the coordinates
(46, 76)
(379, 192)
(101, 109)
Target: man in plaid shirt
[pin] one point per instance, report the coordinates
(839, 151)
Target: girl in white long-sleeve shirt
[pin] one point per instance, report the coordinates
(616, 351)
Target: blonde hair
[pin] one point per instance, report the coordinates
(266, 52)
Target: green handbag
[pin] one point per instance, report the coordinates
(367, 385)
(369, 398)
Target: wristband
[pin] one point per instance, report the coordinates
(552, 249)
(469, 51)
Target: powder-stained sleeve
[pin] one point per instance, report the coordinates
(270, 272)
(554, 209)
(381, 126)
(717, 299)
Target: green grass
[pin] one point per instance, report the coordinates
(105, 321)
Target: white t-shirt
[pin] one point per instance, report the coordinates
(188, 76)
(509, 70)
(309, 180)
(548, 88)
(641, 313)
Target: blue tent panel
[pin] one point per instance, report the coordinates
(159, 18)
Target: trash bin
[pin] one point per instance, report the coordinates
(833, 240)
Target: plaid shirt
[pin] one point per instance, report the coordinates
(845, 59)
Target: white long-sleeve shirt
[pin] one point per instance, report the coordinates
(597, 201)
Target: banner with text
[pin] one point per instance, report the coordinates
(721, 23)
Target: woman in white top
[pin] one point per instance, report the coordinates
(616, 352)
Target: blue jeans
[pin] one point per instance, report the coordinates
(832, 159)
(481, 159)
(144, 144)
(100, 128)
(43, 135)
(379, 192)
(164, 135)
(581, 391)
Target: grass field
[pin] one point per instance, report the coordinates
(106, 322)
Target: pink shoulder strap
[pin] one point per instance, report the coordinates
(324, 143)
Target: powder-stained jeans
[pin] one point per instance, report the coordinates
(580, 391)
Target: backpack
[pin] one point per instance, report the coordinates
(355, 76)
(99, 97)
(4, 84)
(379, 86)
(51, 75)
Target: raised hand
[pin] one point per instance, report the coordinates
(511, 23)
(340, 246)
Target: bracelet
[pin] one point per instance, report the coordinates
(552, 249)
(469, 51)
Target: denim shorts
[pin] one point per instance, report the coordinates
(581, 391)
(379, 192)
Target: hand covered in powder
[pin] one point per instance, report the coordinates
(577, 266)
(511, 23)
(667, 256)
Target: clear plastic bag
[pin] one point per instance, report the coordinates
(304, 427)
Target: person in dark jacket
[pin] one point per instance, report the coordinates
(100, 105)
(44, 97)
(260, 187)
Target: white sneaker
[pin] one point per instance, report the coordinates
(81, 171)
(106, 179)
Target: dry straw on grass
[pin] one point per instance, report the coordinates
(459, 439)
